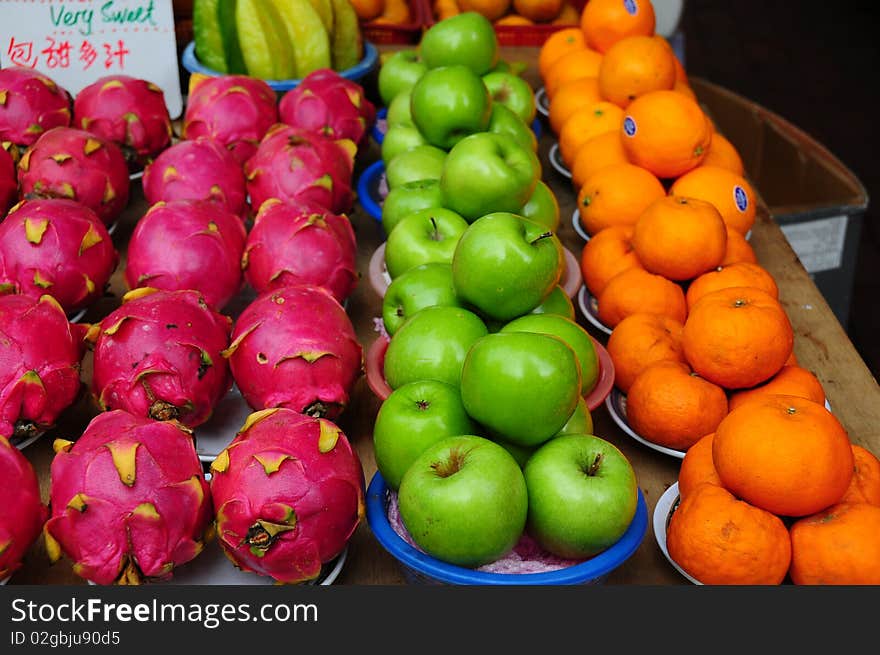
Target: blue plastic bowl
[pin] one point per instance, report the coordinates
(357, 72)
(379, 127)
(368, 189)
(420, 568)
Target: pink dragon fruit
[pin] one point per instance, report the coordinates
(22, 512)
(236, 110)
(201, 169)
(288, 493)
(188, 244)
(159, 356)
(129, 500)
(328, 103)
(8, 181)
(30, 104)
(77, 165)
(127, 110)
(301, 243)
(40, 355)
(295, 347)
(294, 164)
(56, 247)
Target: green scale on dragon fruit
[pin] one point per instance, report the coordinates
(188, 244)
(159, 356)
(295, 347)
(31, 103)
(56, 247)
(129, 500)
(76, 165)
(40, 357)
(297, 242)
(288, 494)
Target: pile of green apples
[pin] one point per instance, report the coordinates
(485, 435)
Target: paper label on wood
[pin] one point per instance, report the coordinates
(75, 42)
(819, 243)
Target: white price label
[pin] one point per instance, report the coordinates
(818, 243)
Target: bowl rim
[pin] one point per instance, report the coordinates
(365, 183)
(371, 55)
(407, 555)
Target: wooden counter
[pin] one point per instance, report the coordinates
(821, 345)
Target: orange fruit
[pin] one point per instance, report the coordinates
(697, 466)
(636, 290)
(738, 249)
(605, 255)
(792, 380)
(491, 9)
(514, 19)
(394, 12)
(737, 337)
(602, 150)
(640, 340)
(720, 540)
(731, 194)
(668, 405)
(570, 66)
(556, 45)
(569, 15)
(616, 195)
(742, 274)
(585, 123)
(685, 90)
(723, 153)
(784, 454)
(681, 76)
(368, 9)
(444, 9)
(634, 66)
(865, 484)
(666, 132)
(679, 238)
(570, 97)
(838, 546)
(538, 11)
(605, 22)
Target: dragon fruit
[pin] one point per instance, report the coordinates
(188, 244)
(30, 104)
(328, 103)
(295, 347)
(294, 164)
(22, 513)
(40, 356)
(159, 356)
(129, 500)
(56, 247)
(127, 110)
(236, 110)
(8, 181)
(77, 165)
(301, 243)
(288, 493)
(201, 169)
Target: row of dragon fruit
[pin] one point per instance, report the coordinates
(253, 194)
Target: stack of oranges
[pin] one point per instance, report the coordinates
(701, 344)
(513, 12)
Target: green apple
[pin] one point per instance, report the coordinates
(464, 501)
(428, 285)
(521, 386)
(412, 418)
(557, 302)
(506, 265)
(577, 338)
(506, 123)
(512, 91)
(426, 235)
(582, 495)
(467, 39)
(408, 197)
(399, 71)
(432, 345)
(542, 207)
(398, 109)
(449, 103)
(399, 138)
(488, 172)
(419, 163)
(580, 421)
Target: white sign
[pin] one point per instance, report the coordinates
(75, 42)
(819, 243)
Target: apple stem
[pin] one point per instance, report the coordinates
(545, 235)
(423, 405)
(451, 464)
(435, 233)
(593, 469)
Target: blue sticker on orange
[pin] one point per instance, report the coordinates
(741, 198)
(629, 126)
(631, 6)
